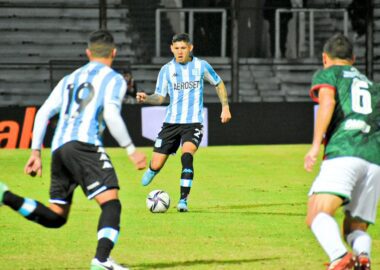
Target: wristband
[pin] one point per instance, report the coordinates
(130, 149)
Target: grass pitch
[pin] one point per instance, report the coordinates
(247, 211)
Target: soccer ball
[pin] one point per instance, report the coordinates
(158, 201)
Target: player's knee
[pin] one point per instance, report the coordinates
(53, 221)
(351, 224)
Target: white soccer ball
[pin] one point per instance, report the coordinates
(158, 201)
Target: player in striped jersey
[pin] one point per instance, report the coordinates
(349, 117)
(182, 79)
(86, 100)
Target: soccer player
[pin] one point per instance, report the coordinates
(348, 122)
(86, 100)
(182, 78)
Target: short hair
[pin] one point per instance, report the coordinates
(339, 46)
(101, 43)
(181, 37)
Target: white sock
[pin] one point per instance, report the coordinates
(360, 242)
(327, 232)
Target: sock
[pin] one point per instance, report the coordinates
(360, 242)
(327, 232)
(155, 171)
(187, 175)
(34, 210)
(108, 229)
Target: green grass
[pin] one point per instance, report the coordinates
(247, 211)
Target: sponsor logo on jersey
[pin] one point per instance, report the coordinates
(355, 124)
(186, 85)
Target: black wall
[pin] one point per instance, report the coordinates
(252, 123)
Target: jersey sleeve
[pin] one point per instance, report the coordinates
(116, 90)
(51, 107)
(210, 75)
(322, 79)
(162, 82)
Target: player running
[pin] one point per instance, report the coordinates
(182, 78)
(86, 100)
(348, 120)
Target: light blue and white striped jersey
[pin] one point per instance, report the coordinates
(80, 99)
(184, 84)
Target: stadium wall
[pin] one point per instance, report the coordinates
(252, 123)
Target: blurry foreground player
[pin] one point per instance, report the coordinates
(83, 99)
(182, 78)
(348, 121)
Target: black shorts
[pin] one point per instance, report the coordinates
(171, 136)
(76, 163)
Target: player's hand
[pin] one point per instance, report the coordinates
(140, 97)
(225, 116)
(311, 158)
(34, 165)
(138, 159)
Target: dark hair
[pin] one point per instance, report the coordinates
(101, 43)
(339, 46)
(181, 37)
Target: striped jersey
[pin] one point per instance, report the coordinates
(79, 98)
(184, 84)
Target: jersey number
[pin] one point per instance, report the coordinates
(83, 95)
(361, 97)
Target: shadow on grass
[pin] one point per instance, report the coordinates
(246, 209)
(198, 262)
(258, 205)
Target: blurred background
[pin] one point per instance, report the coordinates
(266, 51)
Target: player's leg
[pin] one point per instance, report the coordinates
(187, 174)
(359, 213)
(157, 162)
(53, 216)
(191, 138)
(61, 189)
(330, 190)
(355, 231)
(108, 230)
(94, 172)
(321, 209)
(167, 142)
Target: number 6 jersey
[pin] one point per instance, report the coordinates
(354, 129)
(80, 99)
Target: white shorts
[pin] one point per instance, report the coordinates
(355, 180)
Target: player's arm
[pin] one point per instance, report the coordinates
(325, 112)
(161, 90)
(221, 90)
(119, 132)
(154, 99)
(50, 107)
(212, 77)
(116, 125)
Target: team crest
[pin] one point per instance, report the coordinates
(196, 72)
